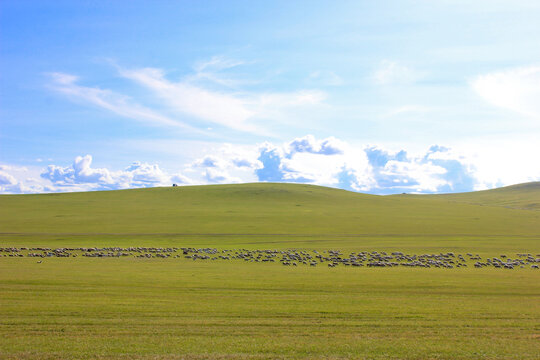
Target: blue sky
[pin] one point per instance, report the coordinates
(379, 97)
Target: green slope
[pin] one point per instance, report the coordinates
(265, 208)
(177, 308)
(521, 196)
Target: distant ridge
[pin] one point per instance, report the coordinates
(275, 209)
(520, 196)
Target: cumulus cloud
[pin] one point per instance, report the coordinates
(245, 163)
(7, 179)
(219, 176)
(15, 180)
(209, 161)
(372, 169)
(22, 188)
(141, 174)
(231, 166)
(308, 143)
(515, 89)
(82, 176)
(353, 179)
(79, 172)
(303, 160)
(369, 169)
(181, 179)
(271, 170)
(458, 175)
(438, 170)
(502, 160)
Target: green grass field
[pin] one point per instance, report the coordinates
(105, 308)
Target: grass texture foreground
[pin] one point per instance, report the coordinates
(154, 308)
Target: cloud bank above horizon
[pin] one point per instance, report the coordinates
(327, 162)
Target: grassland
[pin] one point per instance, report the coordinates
(179, 309)
(521, 196)
(275, 215)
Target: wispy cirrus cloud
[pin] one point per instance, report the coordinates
(409, 109)
(393, 72)
(195, 102)
(237, 110)
(210, 106)
(214, 70)
(217, 63)
(119, 104)
(325, 77)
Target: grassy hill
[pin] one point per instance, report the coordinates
(178, 308)
(522, 196)
(267, 209)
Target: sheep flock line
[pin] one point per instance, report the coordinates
(289, 257)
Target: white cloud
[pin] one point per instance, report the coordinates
(180, 179)
(246, 163)
(327, 78)
(374, 169)
(424, 176)
(15, 180)
(14, 168)
(502, 160)
(308, 143)
(409, 109)
(308, 160)
(314, 168)
(234, 164)
(219, 176)
(235, 110)
(392, 72)
(80, 172)
(283, 100)
(197, 100)
(224, 109)
(21, 188)
(81, 176)
(516, 89)
(7, 179)
(217, 63)
(209, 161)
(106, 99)
(84, 173)
(141, 174)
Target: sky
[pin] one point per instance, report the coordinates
(380, 97)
